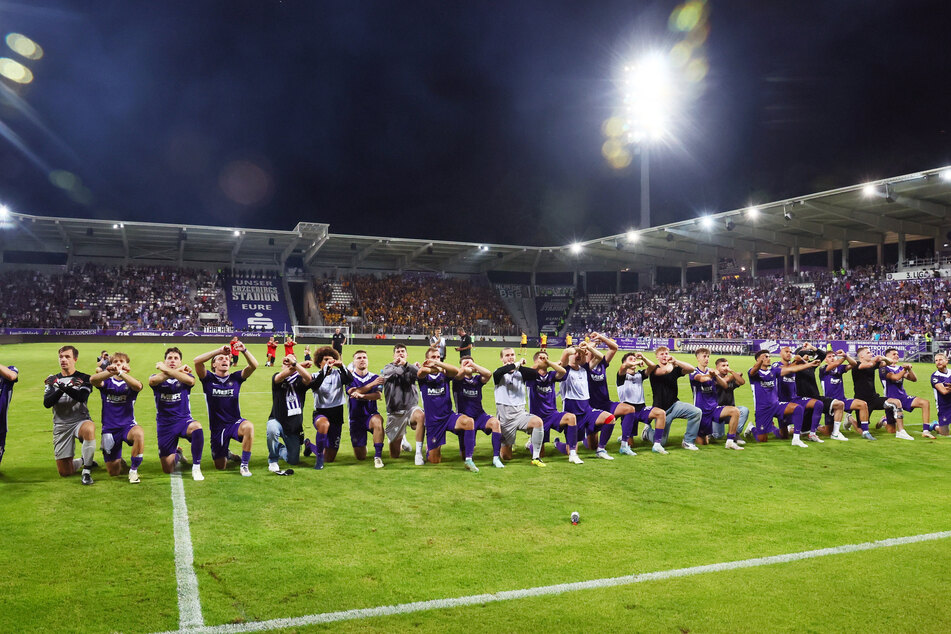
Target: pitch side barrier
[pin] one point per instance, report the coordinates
(910, 349)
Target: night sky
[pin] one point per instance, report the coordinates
(449, 120)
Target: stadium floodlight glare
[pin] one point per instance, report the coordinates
(869, 190)
(946, 175)
(115, 225)
(706, 222)
(575, 247)
(482, 247)
(752, 213)
(237, 233)
(631, 235)
(4, 212)
(648, 92)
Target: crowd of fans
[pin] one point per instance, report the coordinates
(420, 303)
(112, 297)
(333, 310)
(860, 304)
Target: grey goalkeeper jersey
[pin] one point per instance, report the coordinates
(399, 387)
(67, 409)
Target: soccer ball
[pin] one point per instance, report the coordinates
(575, 518)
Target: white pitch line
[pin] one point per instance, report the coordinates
(509, 595)
(189, 605)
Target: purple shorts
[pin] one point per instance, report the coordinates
(944, 418)
(359, 428)
(906, 401)
(436, 430)
(168, 435)
(481, 421)
(112, 440)
(611, 407)
(586, 415)
(553, 422)
(334, 416)
(221, 437)
(763, 416)
(708, 418)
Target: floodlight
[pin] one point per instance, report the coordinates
(869, 190)
(752, 213)
(706, 222)
(631, 235)
(575, 247)
(4, 212)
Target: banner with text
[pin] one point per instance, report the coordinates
(257, 303)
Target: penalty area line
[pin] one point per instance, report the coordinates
(189, 605)
(509, 595)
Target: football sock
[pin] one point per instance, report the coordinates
(245, 457)
(561, 447)
(627, 426)
(816, 417)
(731, 436)
(496, 443)
(89, 453)
(77, 464)
(320, 442)
(606, 430)
(571, 437)
(468, 439)
(136, 462)
(419, 447)
(198, 444)
(377, 450)
(538, 437)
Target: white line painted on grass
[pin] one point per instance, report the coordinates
(189, 606)
(478, 599)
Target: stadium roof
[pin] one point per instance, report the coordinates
(913, 206)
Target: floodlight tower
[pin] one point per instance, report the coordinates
(647, 89)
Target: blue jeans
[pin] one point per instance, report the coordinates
(289, 452)
(690, 412)
(719, 428)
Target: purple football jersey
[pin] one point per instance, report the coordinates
(765, 390)
(6, 393)
(787, 384)
(943, 400)
(542, 394)
(893, 389)
(704, 392)
(598, 395)
(221, 394)
(118, 404)
(171, 402)
(832, 385)
(435, 392)
(361, 409)
(468, 393)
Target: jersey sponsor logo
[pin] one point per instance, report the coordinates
(116, 398)
(171, 398)
(222, 392)
(435, 391)
(470, 393)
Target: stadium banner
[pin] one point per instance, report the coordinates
(256, 303)
(96, 332)
(924, 274)
(905, 348)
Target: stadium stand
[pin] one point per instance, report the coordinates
(553, 303)
(335, 299)
(860, 304)
(420, 302)
(116, 297)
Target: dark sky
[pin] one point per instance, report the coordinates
(454, 120)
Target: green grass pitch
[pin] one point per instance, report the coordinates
(101, 558)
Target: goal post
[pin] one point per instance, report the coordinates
(303, 334)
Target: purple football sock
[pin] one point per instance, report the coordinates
(571, 436)
(136, 461)
(627, 426)
(606, 430)
(462, 445)
(469, 439)
(310, 445)
(198, 444)
(245, 457)
(377, 450)
(816, 417)
(496, 443)
(797, 417)
(864, 425)
(560, 446)
(731, 436)
(320, 442)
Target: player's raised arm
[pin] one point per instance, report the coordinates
(595, 356)
(910, 372)
(205, 357)
(650, 365)
(683, 365)
(610, 343)
(559, 369)
(99, 378)
(484, 373)
(180, 375)
(252, 362)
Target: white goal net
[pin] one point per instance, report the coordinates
(304, 334)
